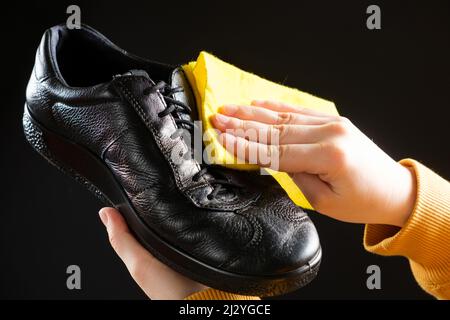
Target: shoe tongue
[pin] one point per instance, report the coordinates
(178, 79)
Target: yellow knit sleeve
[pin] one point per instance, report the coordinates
(213, 294)
(425, 238)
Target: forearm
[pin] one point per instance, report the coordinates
(425, 237)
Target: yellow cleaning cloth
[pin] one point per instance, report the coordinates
(216, 83)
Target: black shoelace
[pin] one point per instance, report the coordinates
(174, 105)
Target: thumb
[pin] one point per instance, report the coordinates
(135, 257)
(315, 190)
(156, 279)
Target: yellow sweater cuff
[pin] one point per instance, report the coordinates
(213, 294)
(425, 238)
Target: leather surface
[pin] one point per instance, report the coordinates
(255, 230)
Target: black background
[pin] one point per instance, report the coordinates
(392, 83)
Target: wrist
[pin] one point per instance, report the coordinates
(404, 197)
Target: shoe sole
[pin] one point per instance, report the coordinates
(90, 171)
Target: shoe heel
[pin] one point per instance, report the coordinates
(44, 141)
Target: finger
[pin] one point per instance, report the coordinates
(283, 107)
(251, 130)
(271, 134)
(287, 158)
(268, 116)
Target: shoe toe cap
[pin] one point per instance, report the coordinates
(284, 240)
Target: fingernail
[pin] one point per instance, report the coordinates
(221, 118)
(103, 216)
(257, 102)
(229, 109)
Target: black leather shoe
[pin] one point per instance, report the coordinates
(107, 118)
